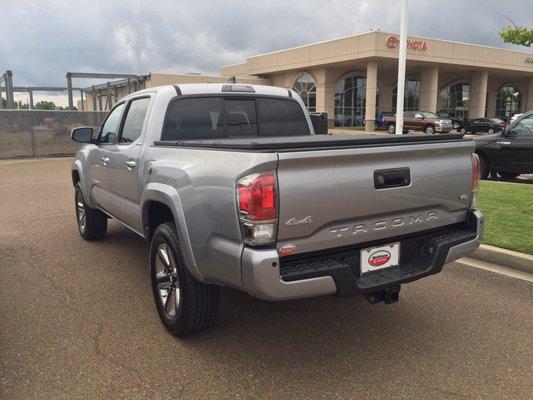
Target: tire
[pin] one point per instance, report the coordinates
(391, 128)
(92, 223)
(484, 166)
(455, 125)
(429, 130)
(508, 174)
(490, 131)
(185, 306)
(462, 131)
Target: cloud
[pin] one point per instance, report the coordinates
(42, 40)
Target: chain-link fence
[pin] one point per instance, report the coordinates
(32, 133)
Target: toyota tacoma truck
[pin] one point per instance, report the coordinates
(232, 187)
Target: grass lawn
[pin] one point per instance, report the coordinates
(508, 209)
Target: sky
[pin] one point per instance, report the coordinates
(43, 39)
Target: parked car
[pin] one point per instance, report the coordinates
(456, 121)
(515, 116)
(424, 121)
(510, 152)
(231, 187)
(488, 125)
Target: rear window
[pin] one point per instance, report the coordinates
(217, 117)
(281, 118)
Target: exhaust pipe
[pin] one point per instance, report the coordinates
(389, 295)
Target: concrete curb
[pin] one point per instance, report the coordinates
(508, 258)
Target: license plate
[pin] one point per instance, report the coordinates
(380, 257)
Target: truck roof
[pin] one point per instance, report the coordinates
(217, 88)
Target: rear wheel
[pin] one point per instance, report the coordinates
(92, 223)
(429, 130)
(455, 125)
(185, 305)
(391, 128)
(462, 130)
(508, 174)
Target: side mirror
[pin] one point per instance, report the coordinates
(82, 135)
(320, 122)
(511, 133)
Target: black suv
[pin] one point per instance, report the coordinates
(510, 152)
(489, 125)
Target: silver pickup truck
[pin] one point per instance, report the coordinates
(231, 187)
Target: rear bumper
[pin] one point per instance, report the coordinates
(267, 277)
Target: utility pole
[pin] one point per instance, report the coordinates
(401, 67)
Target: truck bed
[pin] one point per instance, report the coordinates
(310, 142)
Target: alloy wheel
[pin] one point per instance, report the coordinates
(81, 213)
(166, 273)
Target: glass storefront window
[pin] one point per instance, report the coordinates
(454, 100)
(508, 102)
(350, 102)
(411, 96)
(305, 86)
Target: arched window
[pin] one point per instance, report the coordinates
(508, 102)
(411, 99)
(305, 86)
(350, 101)
(454, 99)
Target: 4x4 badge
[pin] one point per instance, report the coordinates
(299, 221)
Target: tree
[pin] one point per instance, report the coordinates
(520, 36)
(45, 105)
(516, 34)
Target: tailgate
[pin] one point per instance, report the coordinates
(328, 198)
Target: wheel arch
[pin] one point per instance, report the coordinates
(161, 203)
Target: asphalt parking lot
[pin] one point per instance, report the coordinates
(77, 320)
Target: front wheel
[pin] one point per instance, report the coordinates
(391, 128)
(490, 131)
(184, 305)
(92, 223)
(463, 131)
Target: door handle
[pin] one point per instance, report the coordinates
(105, 160)
(130, 164)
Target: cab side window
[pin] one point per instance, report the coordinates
(108, 134)
(134, 122)
(524, 126)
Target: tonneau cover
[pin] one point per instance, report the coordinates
(309, 141)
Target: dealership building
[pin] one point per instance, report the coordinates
(354, 78)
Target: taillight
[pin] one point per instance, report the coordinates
(476, 177)
(257, 206)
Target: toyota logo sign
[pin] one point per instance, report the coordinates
(392, 42)
(418, 45)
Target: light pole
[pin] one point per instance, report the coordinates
(400, 89)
